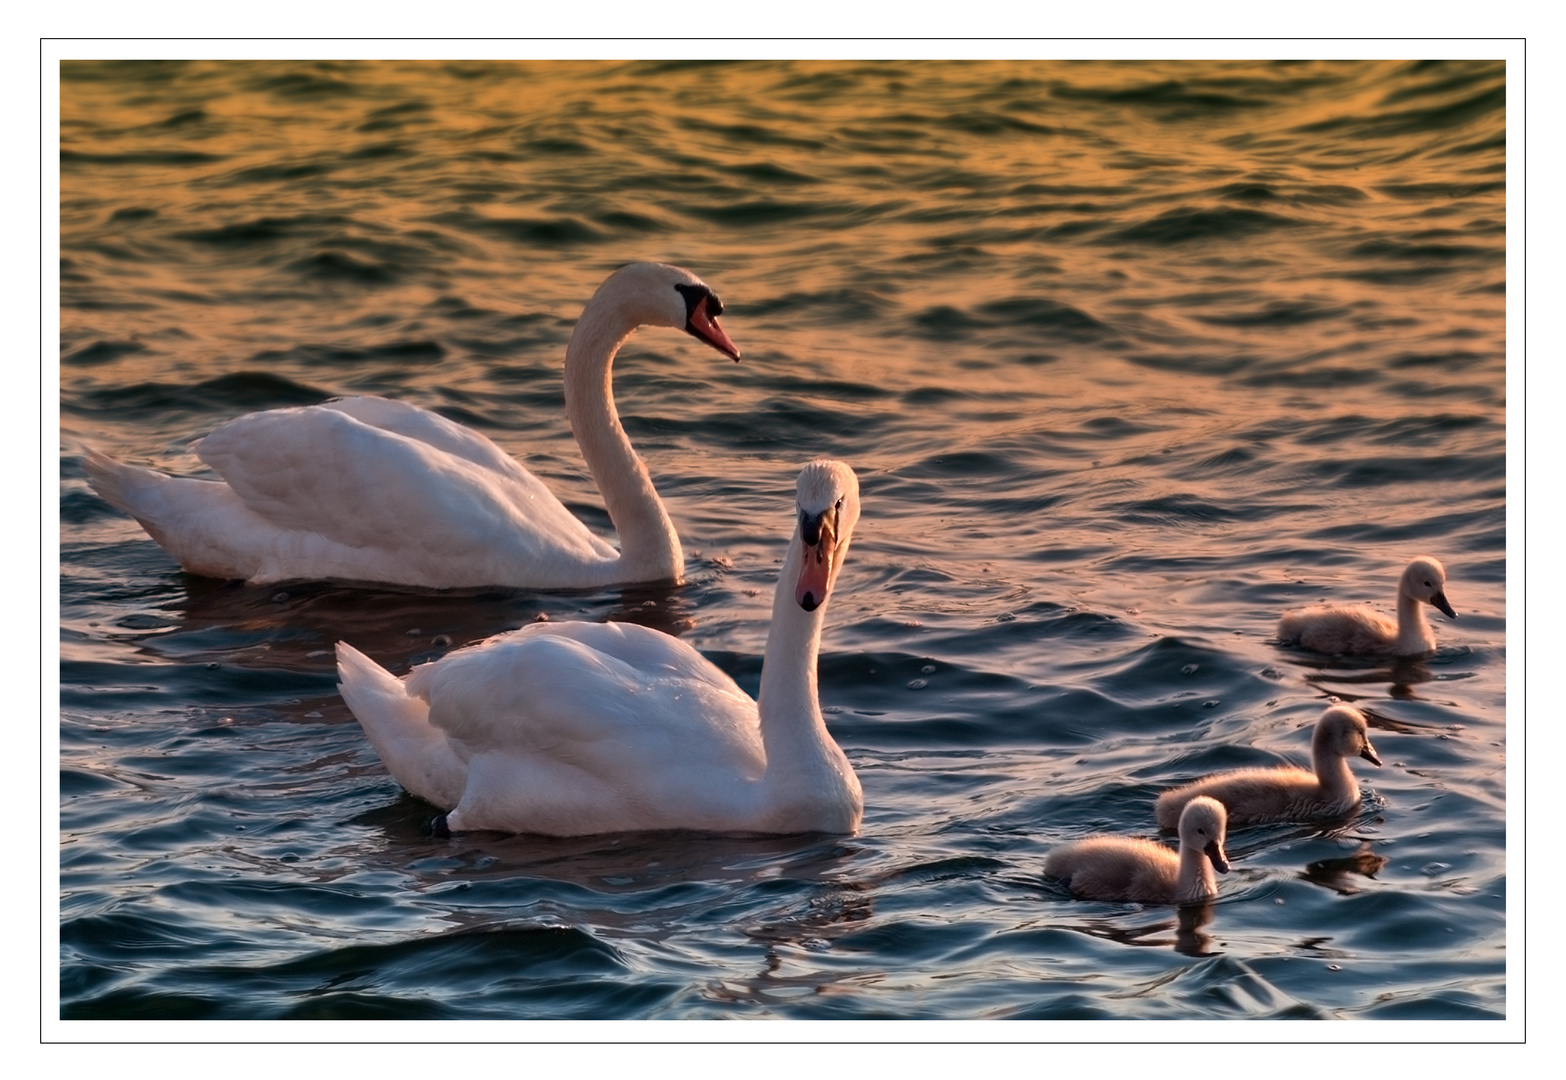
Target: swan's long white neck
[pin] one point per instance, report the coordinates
(649, 546)
(800, 751)
(789, 704)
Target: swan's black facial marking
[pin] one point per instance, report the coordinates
(702, 308)
(694, 295)
(810, 528)
(818, 533)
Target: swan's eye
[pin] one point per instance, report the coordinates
(838, 505)
(694, 295)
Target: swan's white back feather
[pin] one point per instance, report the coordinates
(342, 498)
(574, 728)
(610, 697)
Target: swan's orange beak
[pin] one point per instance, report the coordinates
(819, 535)
(705, 326)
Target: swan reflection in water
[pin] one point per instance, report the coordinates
(293, 625)
(622, 883)
(1190, 938)
(1338, 874)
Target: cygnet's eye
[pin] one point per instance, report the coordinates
(838, 505)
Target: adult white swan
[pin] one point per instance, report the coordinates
(368, 489)
(1287, 793)
(575, 728)
(1358, 630)
(1140, 871)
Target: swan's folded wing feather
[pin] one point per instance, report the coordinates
(322, 471)
(542, 691)
(435, 430)
(649, 652)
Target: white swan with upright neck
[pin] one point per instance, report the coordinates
(576, 728)
(369, 489)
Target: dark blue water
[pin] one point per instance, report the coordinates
(1129, 357)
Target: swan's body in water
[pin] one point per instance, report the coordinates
(1143, 872)
(576, 728)
(1287, 793)
(367, 489)
(1344, 631)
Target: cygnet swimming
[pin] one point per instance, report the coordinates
(1343, 630)
(1143, 872)
(1287, 793)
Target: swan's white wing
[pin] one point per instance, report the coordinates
(321, 471)
(435, 430)
(618, 701)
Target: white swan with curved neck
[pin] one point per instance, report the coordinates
(1139, 871)
(1287, 793)
(1344, 631)
(576, 728)
(368, 489)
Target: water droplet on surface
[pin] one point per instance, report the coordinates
(917, 684)
(1189, 669)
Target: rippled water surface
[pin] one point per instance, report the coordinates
(1129, 357)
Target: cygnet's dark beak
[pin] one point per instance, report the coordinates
(1368, 752)
(1439, 600)
(1214, 852)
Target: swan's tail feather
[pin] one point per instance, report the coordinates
(415, 752)
(115, 482)
(147, 496)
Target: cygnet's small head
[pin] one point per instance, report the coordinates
(1203, 825)
(827, 498)
(1425, 581)
(1342, 730)
(657, 294)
